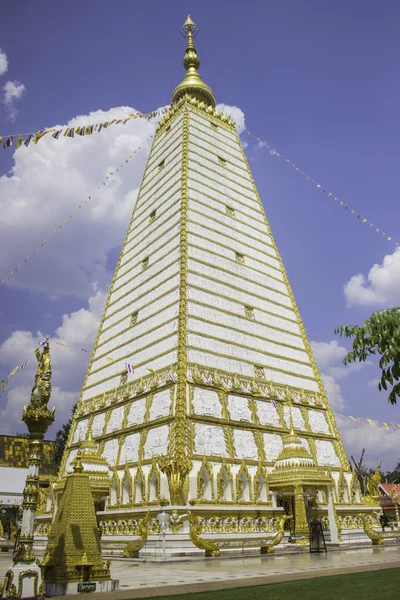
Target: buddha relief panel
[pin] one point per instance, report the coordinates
(267, 414)
(210, 440)
(272, 446)
(326, 455)
(115, 420)
(80, 431)
(318, 422)
(130, 449)
(239, 408)
(298, 421)
(161, 405)
(136, 412)
(98, 425)
(206, 402)
(157, 442)
(245, 445)
(110, 451)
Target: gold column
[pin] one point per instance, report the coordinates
(300, 518)
(177, 466)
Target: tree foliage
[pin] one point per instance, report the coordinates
(61, 439)
(378, 336)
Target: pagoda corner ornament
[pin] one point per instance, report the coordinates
(23, 579)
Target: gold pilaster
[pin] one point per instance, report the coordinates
(177, 466)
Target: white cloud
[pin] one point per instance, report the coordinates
(374, 382)
(3, 62)
(333, 391)
(329, 357)
(381, 287)
(13, 91)
(380, 444)
(236, 114)
(52, 179)
(69, 363)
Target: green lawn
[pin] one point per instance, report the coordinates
(358, 586)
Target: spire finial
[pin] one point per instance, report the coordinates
(192, 83)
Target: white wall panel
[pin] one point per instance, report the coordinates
(143, 289)
(243, 324)
(137, 243)
(113, 325)
(162, 256)
(155, 175)
(136, 332)
(157, 203)
(243, 224)
(244, 296)
(134, 350)
(142, 227)
(208, 150)
(218, 203)
(256, 356)
(238, 270)
(160, 260)
(254, 259)
(217, 229)
(227, 279)
(233, 365)
(161, 362)
(244, 339)
(171, 175)
(222, 174)
(195, 175)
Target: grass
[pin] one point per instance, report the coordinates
(371, 585)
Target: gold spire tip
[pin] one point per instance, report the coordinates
(192, 84)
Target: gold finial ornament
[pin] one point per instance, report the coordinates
(193, 85)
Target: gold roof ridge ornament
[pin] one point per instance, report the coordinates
(192, 84)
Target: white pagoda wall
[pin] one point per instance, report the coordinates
(152, 342)
(219, 334)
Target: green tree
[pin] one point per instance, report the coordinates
(378, 336)
(61, 438)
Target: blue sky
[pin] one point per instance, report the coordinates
(318, 81)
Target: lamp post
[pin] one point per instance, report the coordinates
(163, 519)
(23, 579)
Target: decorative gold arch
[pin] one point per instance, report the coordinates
(139, 473)
(243, 470)
(205, 465)
(126, 477)
(225, 468)
(154, 471)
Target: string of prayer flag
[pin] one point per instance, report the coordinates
(363, 422)
(65, 221)
(6, 382)
(319, 186)
(71, 132)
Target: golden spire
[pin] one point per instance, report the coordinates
(192, 83)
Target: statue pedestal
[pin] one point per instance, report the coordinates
(22, 580)
(78, 587)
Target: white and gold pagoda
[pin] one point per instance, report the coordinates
(201, 306)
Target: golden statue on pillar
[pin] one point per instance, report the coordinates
(38, 418)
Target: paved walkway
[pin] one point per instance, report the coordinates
(140, 579)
